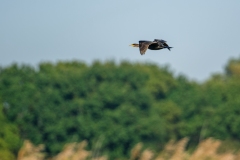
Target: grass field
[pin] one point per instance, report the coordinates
(208, 149)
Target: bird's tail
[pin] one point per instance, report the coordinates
(169, 48)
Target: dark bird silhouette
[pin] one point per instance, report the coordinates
(157, 44)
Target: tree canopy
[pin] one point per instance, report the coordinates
(115, 106)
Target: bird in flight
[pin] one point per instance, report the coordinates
(157, 44)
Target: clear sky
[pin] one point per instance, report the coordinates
(204, 34)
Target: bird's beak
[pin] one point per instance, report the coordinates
(131, 45)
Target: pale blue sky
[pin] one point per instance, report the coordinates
(204, 34)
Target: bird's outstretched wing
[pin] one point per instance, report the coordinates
(143, 46)
(160, 40)
(162, 43)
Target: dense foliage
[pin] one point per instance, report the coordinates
(9, 137)
(114, 106)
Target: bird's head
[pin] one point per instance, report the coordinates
(134, 45)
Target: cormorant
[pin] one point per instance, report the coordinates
(157, 44)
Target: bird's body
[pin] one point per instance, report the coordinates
(157, 44)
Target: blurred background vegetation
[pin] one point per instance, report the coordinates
(114, 106)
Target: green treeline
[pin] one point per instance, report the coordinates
(114, 106)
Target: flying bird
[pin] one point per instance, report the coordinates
(157, 44)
